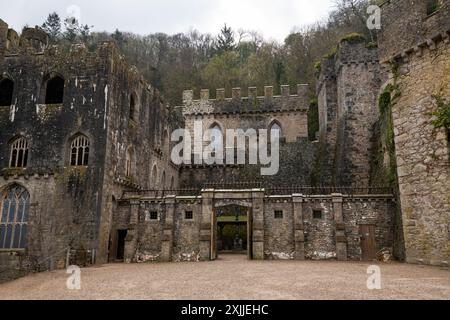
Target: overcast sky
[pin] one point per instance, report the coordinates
(273, 18)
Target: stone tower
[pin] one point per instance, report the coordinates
(414, 43)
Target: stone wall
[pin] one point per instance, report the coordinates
(348, 88)
(298, 234)
(406, 25)
(289, 111)
(74, 206)
(420, 69)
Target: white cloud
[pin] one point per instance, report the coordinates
(274, 19)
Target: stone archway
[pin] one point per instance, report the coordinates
(233, 227)
(253, 200)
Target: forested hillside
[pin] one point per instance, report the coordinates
(233, 58)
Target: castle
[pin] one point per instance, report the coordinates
(87, 176)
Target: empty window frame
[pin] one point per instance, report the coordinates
(153, 215)
(317, 214)
(19, 153)
(14, 212)
(189, 215)
(432, 6)
(278, 214)
(132, 108)
(6, 92)
(54, 93)
(80, 149)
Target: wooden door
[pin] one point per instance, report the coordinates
(368, 246)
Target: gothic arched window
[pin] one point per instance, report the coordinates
(129, 162)
(154, 179)
(80, 148)
(54, 93)
(276, 127)
(163, 181)
(132, 108)
(216, 138)
(6, 92)
(19, 153)
(432, 6)
(14, 212)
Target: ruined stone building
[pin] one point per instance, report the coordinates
(86, 172)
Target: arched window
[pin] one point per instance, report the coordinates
(14, 211)
(129, 163)
(276, 127)
(163, 180)
(154, 177)
(172, 183)
(216, 138)
(132, 107)
(6, 92)
(55, 91)
(19, 153)
(432, 6)
(80, 151)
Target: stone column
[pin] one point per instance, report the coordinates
(299, 236)
(341, 239)
(132, 234)
(167, 240)
(206, 225)
(258, 224)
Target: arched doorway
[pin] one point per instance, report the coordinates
(233, 228)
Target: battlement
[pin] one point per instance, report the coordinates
(409, 26)
(348, 52)
(251, 103)
(31, 38)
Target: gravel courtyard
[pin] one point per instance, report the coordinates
(233, 277)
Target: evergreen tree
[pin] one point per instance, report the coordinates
(225, 40)
(53, 27)
(119, 38)
(72, 29)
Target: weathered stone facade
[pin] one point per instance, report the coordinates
(298, 234)
(128, 202)
(415, 46)
(288, 111)
(348, 88)
(70, 213)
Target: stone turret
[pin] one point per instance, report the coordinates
(3, 36)
(36, 38)
(348, 88)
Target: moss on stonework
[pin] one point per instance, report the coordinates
(70, 174)
(353, 38)
(47, 110)
(331, 54)
(442, 113)
(13, 171)
(318, 66)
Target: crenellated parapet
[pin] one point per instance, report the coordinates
(252, 103)
(408, 27)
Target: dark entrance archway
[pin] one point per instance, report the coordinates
(233, 227)
(232, 232)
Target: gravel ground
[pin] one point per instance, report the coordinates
(233, 277)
